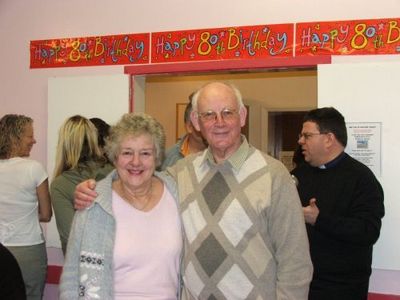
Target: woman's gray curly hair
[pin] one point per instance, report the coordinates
(136, 124)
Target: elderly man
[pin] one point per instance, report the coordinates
(245, 236)
(244, 233)
(343, 207)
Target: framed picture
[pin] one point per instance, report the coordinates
(245, 128)
(180, 122)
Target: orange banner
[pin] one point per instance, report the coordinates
(245, 42)
(379, 36)
(90, 51)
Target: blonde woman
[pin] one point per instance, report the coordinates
(78, 158)
(24, 201)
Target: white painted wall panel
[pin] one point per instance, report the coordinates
(105, 97)
(369, 92)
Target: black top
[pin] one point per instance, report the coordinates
(11, 283)
(350, 200)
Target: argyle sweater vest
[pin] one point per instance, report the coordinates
(235, 220)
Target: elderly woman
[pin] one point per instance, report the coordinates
(24, 201)
(78, 157)
(127, 245)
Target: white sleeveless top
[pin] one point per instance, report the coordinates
(147, 250)
(19, 219)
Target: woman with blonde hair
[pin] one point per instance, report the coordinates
(78, 157)
(24, 202)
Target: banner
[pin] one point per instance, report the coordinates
(121, 49)
(245, 42)
(379, 36)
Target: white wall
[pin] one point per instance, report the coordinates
(368, 92)
(89, 96)
(25, 91)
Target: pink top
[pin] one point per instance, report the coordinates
(147, 250)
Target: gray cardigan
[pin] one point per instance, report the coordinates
(88, 267)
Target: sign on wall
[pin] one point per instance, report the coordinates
(364, 144)
(90, 51)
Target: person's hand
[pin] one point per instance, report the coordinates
(311, 212)
(84, 194)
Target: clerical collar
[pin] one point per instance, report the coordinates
(333, 162)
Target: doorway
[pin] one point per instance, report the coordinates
(283, 130)
(289, 90)
(266, 85)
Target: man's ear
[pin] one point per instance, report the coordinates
(243, 115)
(195, 120)
(330, 139)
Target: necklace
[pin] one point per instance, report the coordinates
(138, 201)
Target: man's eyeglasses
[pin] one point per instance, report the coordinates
(211, 116)
(308, 135)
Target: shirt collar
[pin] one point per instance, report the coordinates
(333, 162)
(184, 149)
(236, 160)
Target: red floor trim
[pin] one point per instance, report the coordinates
(374, 296)
(54, 274)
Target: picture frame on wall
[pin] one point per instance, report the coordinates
(180, 120)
